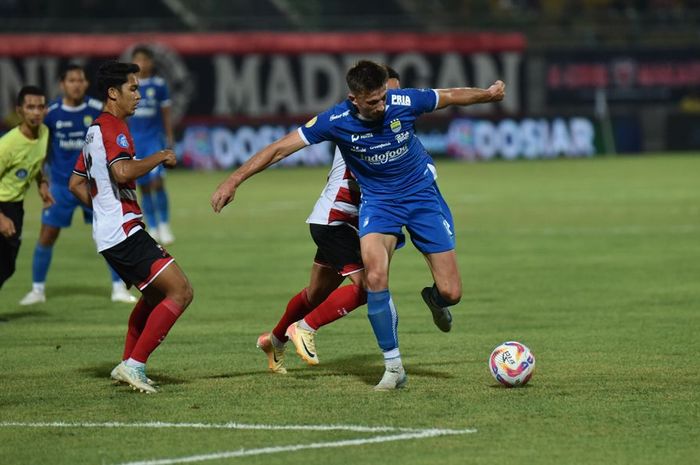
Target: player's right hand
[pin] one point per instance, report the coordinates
(497, 91)
(7, 227)
(169, 159)
(223, 195)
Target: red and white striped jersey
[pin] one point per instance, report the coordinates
(116, 212)
(340, 198)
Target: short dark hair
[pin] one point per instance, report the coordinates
(366, 76)
(392, 73)
(29, 90)
(113, 74)
(68, 68)
(143, 49)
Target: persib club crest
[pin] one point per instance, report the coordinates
(122, 141)
(395, 125)
(87, 120)
(21, 173)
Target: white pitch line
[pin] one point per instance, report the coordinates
(230, 425)
(297, 447)
(404, 434)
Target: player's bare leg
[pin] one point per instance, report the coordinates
(446, 290)
(377, 250)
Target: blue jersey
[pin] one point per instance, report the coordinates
(68, 126)
(385, 156)
(146, 125)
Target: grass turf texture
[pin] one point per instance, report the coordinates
(591, 263)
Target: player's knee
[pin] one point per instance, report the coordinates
(376, 280)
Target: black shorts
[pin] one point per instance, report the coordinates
(338, 248)
(9, 246)
(138, 260)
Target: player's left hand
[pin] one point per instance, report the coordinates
(223, 195)
(45, 194)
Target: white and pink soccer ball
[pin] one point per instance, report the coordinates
(512, 364)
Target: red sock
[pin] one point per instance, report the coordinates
(137, 321)
(341, 302)
(160, 321)
(297, 308)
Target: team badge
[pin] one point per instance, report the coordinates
(21, 173)
(395, 125)
(87, 120)
(122, 141)
(311, 122)
(150, 92)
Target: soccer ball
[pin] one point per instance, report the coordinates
(512, 364)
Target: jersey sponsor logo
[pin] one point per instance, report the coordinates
(395, 125)
(64, 124)
(386, 157)
(356, 137)
(311, 122)
(122, 141)
(342, 115)
(402, 137)
(145, 112)
(380, 146)
(21, 173)
(71, 144)
(403, 100)
(87, 120)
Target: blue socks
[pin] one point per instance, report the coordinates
(115, 276)
(149, 211)
(162, 206)
(41, 262)
(384, 319)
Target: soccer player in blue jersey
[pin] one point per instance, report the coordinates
(152, 130)
(374, 129)
(68, 119)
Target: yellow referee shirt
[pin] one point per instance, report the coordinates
(20, 162)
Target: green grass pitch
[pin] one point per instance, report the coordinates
(594, 264)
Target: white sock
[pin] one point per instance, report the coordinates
(392, 359)
(38, 287)
(304, 325)
(118, 285)
(276, 342)
(134, 363)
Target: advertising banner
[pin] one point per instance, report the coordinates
(257, 77)
(626, 76)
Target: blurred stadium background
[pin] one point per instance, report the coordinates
(585, 77)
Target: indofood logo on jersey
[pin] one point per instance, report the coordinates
(386, 157)
(122, 141)
(395, 125)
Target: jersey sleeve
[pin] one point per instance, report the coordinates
(115, 145)
(4, 155)
(317, 129)
(423, 100)
(79, 167)
(164, 95)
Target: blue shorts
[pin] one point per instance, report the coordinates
(425, 215)
(60, 214)
(156, 173)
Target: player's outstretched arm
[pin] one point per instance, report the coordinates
(279, 149)
(128, 170)
(464, 96)
(80, 187)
